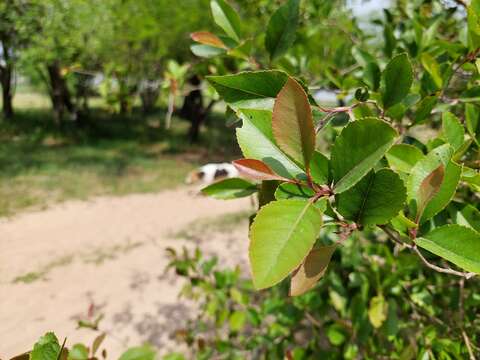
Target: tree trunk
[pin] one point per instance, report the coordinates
(149, 93)
(59, 93)
(7, 96)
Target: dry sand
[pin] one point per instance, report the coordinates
(107, 255)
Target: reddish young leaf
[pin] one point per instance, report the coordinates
(256, 170)
(207, 38)
(292, 123)
(429, 188)
(312, 269)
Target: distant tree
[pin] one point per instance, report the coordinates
(18, 21)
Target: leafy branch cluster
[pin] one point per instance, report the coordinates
(374, 173)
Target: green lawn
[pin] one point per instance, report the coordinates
(41, 164)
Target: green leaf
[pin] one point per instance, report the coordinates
(292, 123)
(372, 75)
(145, 352)
(230, 189)
(335, 334)
(403, 157)
(472, 119)
(453, 130)
(446, 193)
(78, 352)
(46, 348)
(255, 170)
(282, 28)
(251, 89)
(282, 235)
(397, 78)
(255, 138)
(237, 320)
(311, 270)
(293, 191)
(227, 18)
(357, 149)
(455, 243)
(375, 199)
(319, 168)
(425, 108)
(433, 69)
(473, 21)
(378, 310)
(468, 216)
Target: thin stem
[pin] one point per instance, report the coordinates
(468, 345)
(394, 237)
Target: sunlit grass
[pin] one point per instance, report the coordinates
(41, 164)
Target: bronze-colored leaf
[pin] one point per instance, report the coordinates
(429, 188)
(292, 123)
(312, 269)
(256, 170)
(207, 38)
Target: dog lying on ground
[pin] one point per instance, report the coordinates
(210, 173)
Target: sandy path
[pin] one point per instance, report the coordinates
(109, 252)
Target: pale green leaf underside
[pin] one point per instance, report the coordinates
(256, 141)
(357, 149)
(282, 235)
(455, 243)
(232, 188)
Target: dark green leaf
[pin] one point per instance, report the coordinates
(255, 89)
(424, 108)
(374, 200)
(357, 149)
(397, 78)
(319, 168)
(282, 28)
(227, 18)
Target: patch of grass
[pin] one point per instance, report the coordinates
(219, 224)
(104, 154)
(99, 256)
(42, 273)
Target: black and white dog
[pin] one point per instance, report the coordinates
(209, 173)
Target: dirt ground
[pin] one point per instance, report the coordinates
(107, 256)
